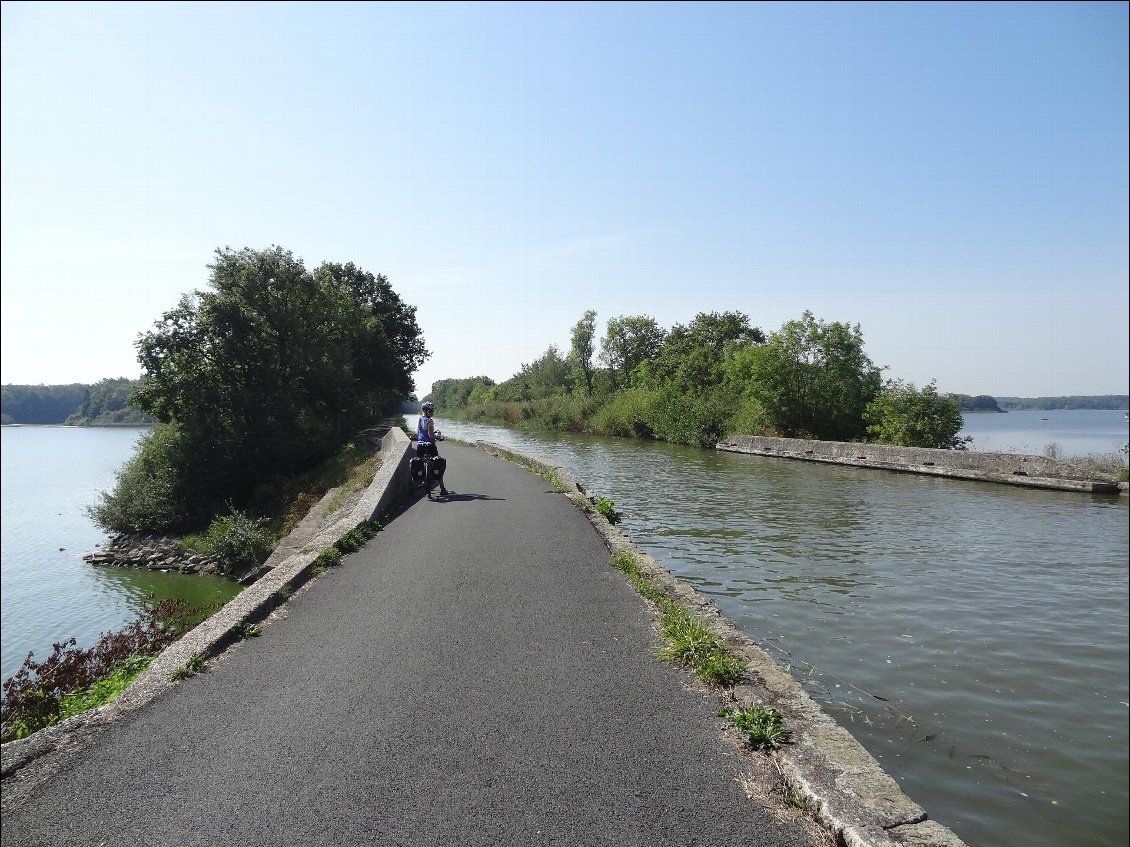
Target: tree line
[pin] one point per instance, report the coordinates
(106, 403)
(715, 376)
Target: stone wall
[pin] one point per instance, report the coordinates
(1010, 468)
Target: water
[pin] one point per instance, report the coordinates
(50, 476)
(1075, 432)
(992, 620)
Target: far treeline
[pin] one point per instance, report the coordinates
(106, 403)
(714, 377)
(271, 372)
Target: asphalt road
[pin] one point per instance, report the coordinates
(476, 675)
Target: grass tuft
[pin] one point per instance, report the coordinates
(761, 727)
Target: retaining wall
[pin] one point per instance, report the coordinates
(1008, 468)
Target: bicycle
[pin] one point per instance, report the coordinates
(425, 471)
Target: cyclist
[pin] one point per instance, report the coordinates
(426, 437)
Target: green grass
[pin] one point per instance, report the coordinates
(688, 642)
(192, 667)
(692, 645)
(105, 690)
(761, 727)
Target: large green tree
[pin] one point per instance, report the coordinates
(811, 379)
(266, 373)
(692, 358)
(581, 347)
(628, 341)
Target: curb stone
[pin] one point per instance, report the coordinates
(213, 635)
(843, 785)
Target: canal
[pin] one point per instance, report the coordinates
(973, 637)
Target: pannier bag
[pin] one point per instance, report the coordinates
(416, 468)
(439, 465)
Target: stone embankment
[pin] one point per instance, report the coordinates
(155, 553)
(1008, 468)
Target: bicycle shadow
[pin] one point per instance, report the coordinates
(458, 496)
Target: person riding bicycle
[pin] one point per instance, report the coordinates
(426, 437)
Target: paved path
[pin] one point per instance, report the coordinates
(476, 675)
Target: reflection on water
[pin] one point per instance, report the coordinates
(958, 630)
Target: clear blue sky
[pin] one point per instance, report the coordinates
(952, 177)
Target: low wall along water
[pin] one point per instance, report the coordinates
(1008, 468)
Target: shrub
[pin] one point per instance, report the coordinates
(626, 415)
(73, 679)
(607, 508)
(239, 541)
(146, 497)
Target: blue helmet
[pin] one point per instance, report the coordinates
(429, 406)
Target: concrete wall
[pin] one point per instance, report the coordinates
(1009, 468)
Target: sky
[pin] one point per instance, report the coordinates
(951, 177)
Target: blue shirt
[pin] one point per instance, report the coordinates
(422, 433)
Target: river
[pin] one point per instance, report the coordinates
(973, 637)
(991, 620)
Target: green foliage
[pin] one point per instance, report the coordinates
(41, 694)
(689, 643)
(105, 690)
(980, 403)
(761, 727)
(192, 667)
(692, 359)
(685, 417)
(1101, 401)
(239, 541)
(627, 414)
(151, 494)
(608, 509)
(692, 645)
(246, 629)
(328, 558)
(264, 375)
(40, 404)
(811, 380)
(629, 565)
(904, 416)
(460, 393)
(351, 542)
(581, 348)
(106, 403)
(547, 376)
(629, 340)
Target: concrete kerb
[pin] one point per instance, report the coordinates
(843, 785)
(212, 636)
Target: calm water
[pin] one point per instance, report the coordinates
(50, 476)
(992, 620)
(1075, 432)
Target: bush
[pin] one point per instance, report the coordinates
(682, 418)
(147, 497)
(904, 416)
(73, 679)
(239, 541)
(626, 415)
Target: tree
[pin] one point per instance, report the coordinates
(811, 379)
(692, 358)
(904, 416)
(546, 376)
(265, 374)
(628, 341)
(581, 349)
